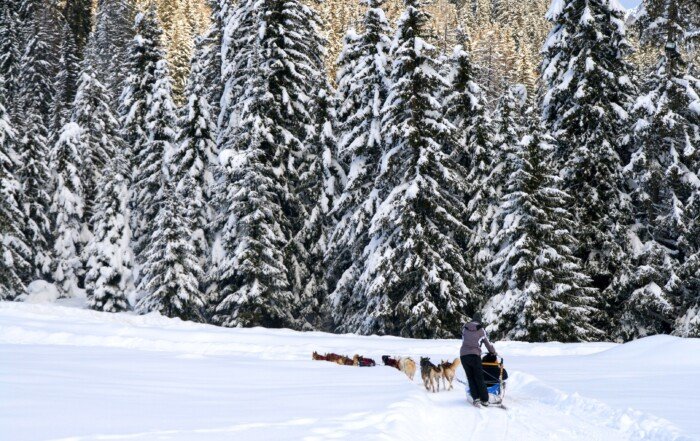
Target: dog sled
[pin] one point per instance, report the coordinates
(495, 376)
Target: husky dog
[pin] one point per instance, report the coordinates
(317, 356)
(449, 370)
(359, 360)
(392, 362)
(344, 361)
(333, 358)
(407, 366)
(430, 373)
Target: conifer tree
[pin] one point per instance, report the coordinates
(108, 256)
(67, 208)
(543, 293)
(78, 16)
(228, 45)
(149, 161)
(321, 180)
(143, 54)
(362, 90)
(172, 269)
(472, 148)
(587, 91)
(92, 111)
(194, 157)
(249, 276)
(14, 249)
(415, 281)
(509, 127)
(269, 73)
(208, 54)
(111, 41)
(180, 53)
(35, 95)
(664, 169)
(66, 82)
(345, 65)
(10, 51)
(40, 39)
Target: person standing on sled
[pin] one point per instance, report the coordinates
(473, 336)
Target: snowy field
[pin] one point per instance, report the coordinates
(78, 375)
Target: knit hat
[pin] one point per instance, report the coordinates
(476, 317)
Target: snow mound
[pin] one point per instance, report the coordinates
(41, 291)
(665, 349)
(635, 425)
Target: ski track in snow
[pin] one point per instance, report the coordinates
(75, 375)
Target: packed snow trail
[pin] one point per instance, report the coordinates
(76, 375)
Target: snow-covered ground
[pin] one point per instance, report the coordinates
(72, 374)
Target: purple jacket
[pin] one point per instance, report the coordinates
(473, 335)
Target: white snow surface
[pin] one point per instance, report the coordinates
(74, 375)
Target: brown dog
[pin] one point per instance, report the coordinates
(359, 360)
(449, 370)
(317, 356)
(392, 362)
(345, 361)
(407, 366)
(430, 373)
(333, 357)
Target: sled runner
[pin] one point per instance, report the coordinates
(495, 376)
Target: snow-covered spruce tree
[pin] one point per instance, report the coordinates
(10, 50)
(415, 281)
(209, 55)
(237, 23)
(509, 126)
(471, 147)
(110, 43)
(65, 84)
(321, 180)
(345, 86)
(92, 111)
(35, 94)
(108, 255)
(249, 283)
(14, 250)
(78, 15)
(309, 187)
(270, 75)
(587, 90)
(664, 168)
(510, 122)
(194, 157)
(180, 52)
(172, 270)
(664, 171)
(149, 162)
(543, 293)
(143, 53)
(41, 37)
(362, 90)
(67, 208)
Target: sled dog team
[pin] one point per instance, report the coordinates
(430, 373)
(470, 356)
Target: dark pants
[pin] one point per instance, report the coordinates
(475, 377)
